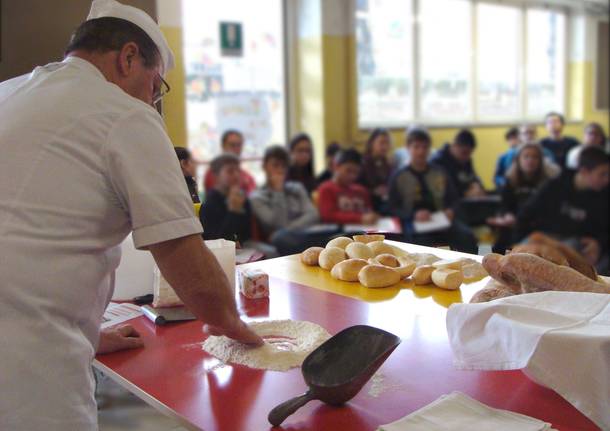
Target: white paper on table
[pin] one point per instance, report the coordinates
(119, 313)
(384, 224)
(438, 221)
(560, 340)
(459, 412)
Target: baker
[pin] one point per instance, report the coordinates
(84, 161)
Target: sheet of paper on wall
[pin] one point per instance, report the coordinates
(383, 225)
(438, 221)
(118, 313)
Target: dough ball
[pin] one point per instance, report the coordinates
(331, 256)
(340, 242)
(387, 260)
(380, 247)
(311, 255)
(348, 270)
(358, 250)
(378, 276)
(368, 238)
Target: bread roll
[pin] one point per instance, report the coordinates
(405, 267)
(358, 250)
(311, 255)
(386, 259)
(380, 247)
(368, 238)
(423, 275)
(544, 251)
(348, 270)
(446, 278)
(493, 290)
(450, 263)
(340, 242)
(331, 256)
(378, 276)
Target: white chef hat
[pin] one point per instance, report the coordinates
(114, 9)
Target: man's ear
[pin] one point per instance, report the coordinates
(126, 58)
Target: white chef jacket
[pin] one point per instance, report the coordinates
(82, 164)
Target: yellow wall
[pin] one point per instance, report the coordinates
(174, 104)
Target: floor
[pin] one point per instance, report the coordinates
(119, 410)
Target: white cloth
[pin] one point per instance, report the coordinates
(114, 9)
(459, 412)
(81, 165)
(560, 339)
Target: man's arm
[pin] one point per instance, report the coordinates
(194, 273)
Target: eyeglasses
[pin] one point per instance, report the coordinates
(162, 91)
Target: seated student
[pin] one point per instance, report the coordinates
(283, 208)
(505, 160)
(226, 211)
(232, 142)
(574, 208)
(419, 189)
(525, 176)
(594, 136)
(341, 200)
(188, 170)
(556, 142)
(301, 162)
(331, 151)
(377, 168)
(456, 159)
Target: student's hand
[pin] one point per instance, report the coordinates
(370, 218)
(509, 219)
(475, 190)
(119, 338)
(240, 331)
(236, 199)
(449, 213)
(276, 182)
(422, 215)
(590, 249)
(381, 191)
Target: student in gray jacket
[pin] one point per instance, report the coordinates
(283, 208)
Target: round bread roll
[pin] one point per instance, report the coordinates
(405, 267)
(386, 259)
(423, 275)
(311, 255)
(378, 276)
(331, 256)
(368, 238)
(358, 250)
(380, 247)
(348, 270)
(340, 242)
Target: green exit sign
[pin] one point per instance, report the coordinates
(231, 39)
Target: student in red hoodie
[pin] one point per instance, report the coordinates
(341, 200)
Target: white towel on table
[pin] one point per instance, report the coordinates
(560, 339)
(459, 412)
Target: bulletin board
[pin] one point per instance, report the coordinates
(602, 99)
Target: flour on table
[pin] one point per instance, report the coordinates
(287, 343)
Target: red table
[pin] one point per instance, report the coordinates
(174, 375)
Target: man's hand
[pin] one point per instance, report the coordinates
(381, 191)
(119, 338)
(449, 213)
(590, 249)
(240, 332)
(236, 199)
(422, 215)
(370, 218)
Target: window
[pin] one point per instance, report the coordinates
(444, 60)
(458, 61)
(234, 92)
(498, 62)
(384, 40)
(545, 61)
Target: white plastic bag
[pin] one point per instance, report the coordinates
(224, 251)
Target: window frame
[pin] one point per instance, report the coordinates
(475, 120)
